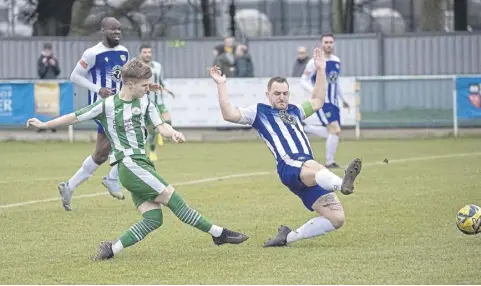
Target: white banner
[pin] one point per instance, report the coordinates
(196, 102)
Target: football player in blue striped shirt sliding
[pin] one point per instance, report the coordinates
(279, 124)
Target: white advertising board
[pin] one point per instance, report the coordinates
(196, 102)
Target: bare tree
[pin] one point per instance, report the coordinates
(460, 15)
(432, 15)
(205, 8)
(336, 17)
(81, 10)
(342, 16)
(348, 16)
(48, 17)
(164, 20)
(206, 18)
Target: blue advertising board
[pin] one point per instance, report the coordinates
(44, 100)
(468, 97)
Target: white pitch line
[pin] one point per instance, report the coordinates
(194, 182)
(33, 180)
(425, 158)
(243, 175)
(413, 159)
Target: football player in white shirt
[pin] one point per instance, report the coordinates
(99, 71)
(329, 117)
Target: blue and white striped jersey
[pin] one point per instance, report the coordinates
(104, 67)
(281, 130)
(333, 70)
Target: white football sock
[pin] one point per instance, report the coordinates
(113, 173)
(215, 230)
(117, 246)
(314, 227)
(83, 174)
(331, 146)
(328, 180)
(320, 131)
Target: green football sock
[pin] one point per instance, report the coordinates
(151, 221)
(188, 215)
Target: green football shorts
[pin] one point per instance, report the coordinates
(137, 174)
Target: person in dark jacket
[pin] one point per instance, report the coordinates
(243, 66)
(301, 62)
(47, 67)
(47, 64)
(224, 56)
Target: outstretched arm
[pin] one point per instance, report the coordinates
(320, 88)
(67, 119)
(229, 112)
(86, 113)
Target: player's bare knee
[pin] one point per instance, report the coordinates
(311, 166)
(330, 207)
(147, 206)
(334, 132)
(99, 158)
(164, 197)
(335, 214)
(336, 218)
(334, 128)
(308, 172)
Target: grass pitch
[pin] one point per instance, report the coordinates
(400, 226)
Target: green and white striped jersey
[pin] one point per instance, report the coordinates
(157, 77)
(124, 123)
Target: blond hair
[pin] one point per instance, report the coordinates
(135, 70)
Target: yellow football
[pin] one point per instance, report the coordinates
(468, 219)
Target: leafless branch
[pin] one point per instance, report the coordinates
(83, 26)
(163, 20)
(193, 5)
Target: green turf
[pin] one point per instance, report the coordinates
(410, 117)
(400, 226)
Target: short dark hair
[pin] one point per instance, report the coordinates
(327, 35)
(145, 46)
(47, 46)
(278, 79)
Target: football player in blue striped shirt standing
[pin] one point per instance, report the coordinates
(99, 71)
(329, 116)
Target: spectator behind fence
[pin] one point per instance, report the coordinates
(47, 68)
(227, 46)
(47, 64)
(243, 62)
(301, 62)
(224, 56)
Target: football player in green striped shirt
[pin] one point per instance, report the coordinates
(124, 118)
(157, 96)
